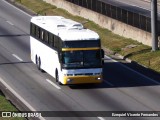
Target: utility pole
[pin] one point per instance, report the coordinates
(154, 25)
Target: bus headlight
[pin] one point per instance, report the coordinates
(69, 80)
(99, 78)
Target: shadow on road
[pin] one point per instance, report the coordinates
(119, 75)
(9, 63)
(17, 35)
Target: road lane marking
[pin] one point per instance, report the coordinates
(101, 118)
(154, 81)
(17, 57)
(18, 96)
(49, 81)
(109, 83)
(17, 8)
(9, 22)
(111, 59)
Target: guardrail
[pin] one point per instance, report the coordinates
(134, 18)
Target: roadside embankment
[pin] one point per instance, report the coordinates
(5, 105)
(104, 21)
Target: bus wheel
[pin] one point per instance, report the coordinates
(39, 64)
(57, 78)
(36, 60)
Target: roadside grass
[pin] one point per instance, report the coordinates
(5, 105)
(118, 44)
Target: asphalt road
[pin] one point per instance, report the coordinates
(138, 6)
(123, 89)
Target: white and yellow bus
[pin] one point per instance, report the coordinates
(65, 50)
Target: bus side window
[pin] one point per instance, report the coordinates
(46, 37)
(51, 40)
(37, 32)
(42, 35)
(56, 42)
(33, 31)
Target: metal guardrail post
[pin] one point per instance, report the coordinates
(154, 27)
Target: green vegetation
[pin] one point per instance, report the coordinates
(5, 105)
(138, 52)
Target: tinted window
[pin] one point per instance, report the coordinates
(33, 29)
(81, 59)
(81, 44)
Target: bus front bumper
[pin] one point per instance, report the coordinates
(82, 79)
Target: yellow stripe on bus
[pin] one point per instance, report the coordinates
(82, 79)
(74, 49)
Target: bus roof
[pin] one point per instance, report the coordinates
(66, 29)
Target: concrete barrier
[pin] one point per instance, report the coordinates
(115, 26)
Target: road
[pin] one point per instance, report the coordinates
(123, 89)
(138, 6)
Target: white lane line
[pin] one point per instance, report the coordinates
(16, 8)
(53, 84)
(110, 58)
(17, 57)
(109, 83)
(9, 22)
(18, 96)
(101, 118)
(135, 71)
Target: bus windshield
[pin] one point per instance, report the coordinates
(81, 44)
(81, 59)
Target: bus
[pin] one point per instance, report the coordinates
(66, 50)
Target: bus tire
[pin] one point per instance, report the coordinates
(57, 77)
(36, 60)
(39, 64)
